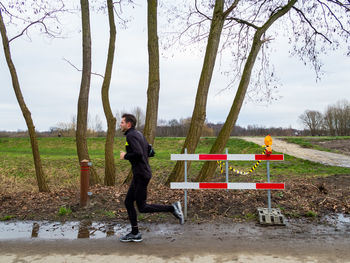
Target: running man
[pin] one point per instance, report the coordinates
(137, 154)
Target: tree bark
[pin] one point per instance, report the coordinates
(40, 177)
(153, 77)
(153, 73)
(109, 178)
(83, 101)
(209, 168)
(199, 111)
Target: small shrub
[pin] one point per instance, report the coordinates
(250, 216)
(109, 214)
(6, 218)
(311, 214)
(64, 211)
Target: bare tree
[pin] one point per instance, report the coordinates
(199, 112)
(153, 73)
(140, 117)
(313, 120)
(259, 39)
(312, 27)
(83, 101)
(153, 79)
(36, 9)
(330, 123)
(337, 118)
(109, 178)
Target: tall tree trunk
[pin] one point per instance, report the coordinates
(208, 168)
(83, 101)
(109, 178)
(40, 177)
(199, 111)
(153, 73)
(153, 76)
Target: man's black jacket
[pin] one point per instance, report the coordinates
(137, 153)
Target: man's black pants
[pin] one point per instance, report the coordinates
(138, 192)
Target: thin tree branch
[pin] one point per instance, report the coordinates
(92, 73)
(310, 24)
(335, 17)
(229, 10)
(39, 21)
(241, 21)
(26, 28)
(195, 4)
(346, 6)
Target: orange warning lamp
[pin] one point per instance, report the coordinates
(268, 144)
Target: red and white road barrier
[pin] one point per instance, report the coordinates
(233, 186)
(227, 157)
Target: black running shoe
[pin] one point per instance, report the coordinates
(131, 238)
(178, 212)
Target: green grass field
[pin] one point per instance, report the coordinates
(61, 165)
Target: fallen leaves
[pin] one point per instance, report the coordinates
(322, 195)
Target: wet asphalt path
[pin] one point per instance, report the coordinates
(298, 241)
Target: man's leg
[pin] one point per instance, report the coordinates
(141, 197)
(129, 204)
(134, 235)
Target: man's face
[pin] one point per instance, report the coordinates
(124, 126)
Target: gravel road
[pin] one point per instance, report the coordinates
(295, 150)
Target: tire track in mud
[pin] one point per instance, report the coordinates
(295, 150)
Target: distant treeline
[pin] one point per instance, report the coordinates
(335, 121)
(173, 129)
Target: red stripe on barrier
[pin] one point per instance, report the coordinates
(213, 157)
(212, 185)
(270, 186)
(272, 157)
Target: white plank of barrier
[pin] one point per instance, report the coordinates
(184, 185)
(184, 157)
(241, 186)
(241, 157)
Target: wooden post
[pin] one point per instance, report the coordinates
(84, 182)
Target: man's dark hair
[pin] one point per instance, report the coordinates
(130, 118)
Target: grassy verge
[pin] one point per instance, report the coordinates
(61, 166)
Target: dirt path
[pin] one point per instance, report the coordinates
(304, 153)
(240, 242)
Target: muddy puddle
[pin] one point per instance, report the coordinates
(58, 230)
(337, 223)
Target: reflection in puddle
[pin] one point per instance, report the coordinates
(109, 231)
(341, 221)
(59, 230)
(84, 229)
(35, 230)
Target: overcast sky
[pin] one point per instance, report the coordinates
(51, 86)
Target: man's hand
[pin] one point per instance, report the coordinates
(122, 154)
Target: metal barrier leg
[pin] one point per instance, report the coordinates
(268, 180)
